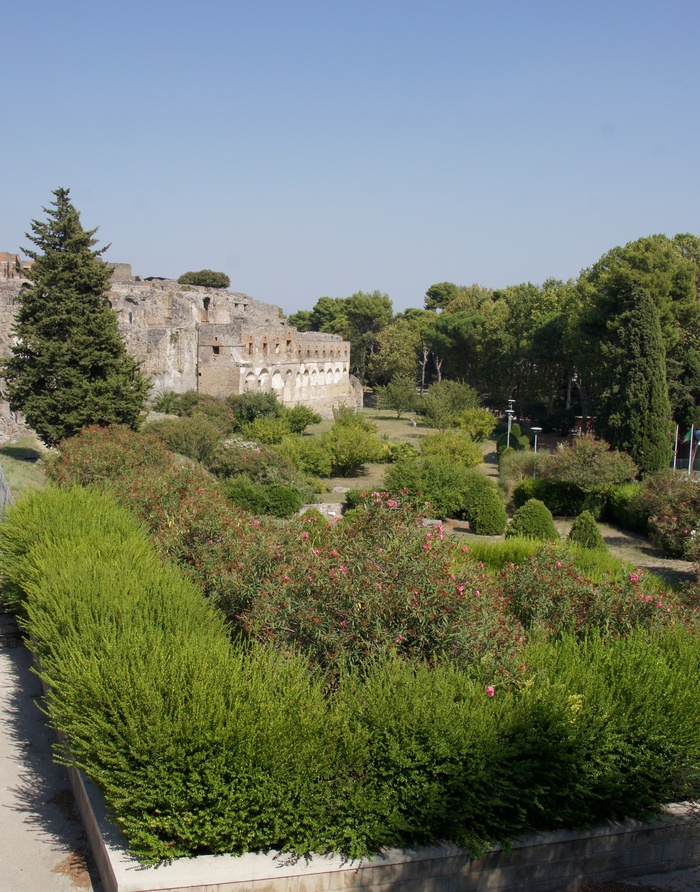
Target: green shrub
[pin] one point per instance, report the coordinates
(588, 463)
(267, 430)
(445, 402)
(263, 464)
(346, 415)
(192, 436)
(477, 423)
(563, 499)
(621, 507)
(452, 446)
(165, 401)
(350, 446)
(255, 404)
(282, 500)
(399, 450)
(533, 521)
(207, 277)
(429, 481)
(308, 454)
(585, 532)
(487, 514)
(242, 491)
(300, 417)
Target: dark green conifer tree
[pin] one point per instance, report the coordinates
(69, 367)
(634, 414)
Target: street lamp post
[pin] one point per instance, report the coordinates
(510, 411)
(535, 431)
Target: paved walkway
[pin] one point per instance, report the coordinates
(42, 844)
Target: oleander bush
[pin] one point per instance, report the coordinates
(380, 581)
(533, 521)
(671, 503)
(548, 592)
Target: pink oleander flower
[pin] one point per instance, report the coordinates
(634, 577)
(304, 535)
(399, 639)
(490, 690)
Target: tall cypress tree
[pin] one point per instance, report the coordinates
(634, 413)
(69, 367)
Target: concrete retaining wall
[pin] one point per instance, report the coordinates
(544, 862)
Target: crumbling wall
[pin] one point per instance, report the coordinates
(189, 337)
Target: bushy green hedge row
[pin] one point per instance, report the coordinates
(201, 747)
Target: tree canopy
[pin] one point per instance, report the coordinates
(69, 367)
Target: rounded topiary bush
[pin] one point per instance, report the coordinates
(487, 513)
(533, 521)
(585, 532)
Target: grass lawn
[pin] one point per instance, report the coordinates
(21, 465)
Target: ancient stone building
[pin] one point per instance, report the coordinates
(218, 342)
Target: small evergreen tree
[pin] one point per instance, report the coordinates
(69, 367)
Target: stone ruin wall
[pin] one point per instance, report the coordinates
(218, 342)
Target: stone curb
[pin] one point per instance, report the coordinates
(543, 862)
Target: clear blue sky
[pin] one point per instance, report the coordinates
(321, 148)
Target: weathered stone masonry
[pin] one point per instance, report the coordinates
(218, 342)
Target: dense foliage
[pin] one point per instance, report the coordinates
(533, 521)
(207, 277)
(204, 747)
(69, 367)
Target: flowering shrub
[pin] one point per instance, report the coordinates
(589, 463)
(547, 592)
(378, 582)
(183, 508)
(671, 501)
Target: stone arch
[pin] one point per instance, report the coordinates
(314, 378)
(250, 381)
(336, 375)
(305, 378)
(264, 380)
(289, 379)
(277, 381)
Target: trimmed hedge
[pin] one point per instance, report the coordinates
(585, 532)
